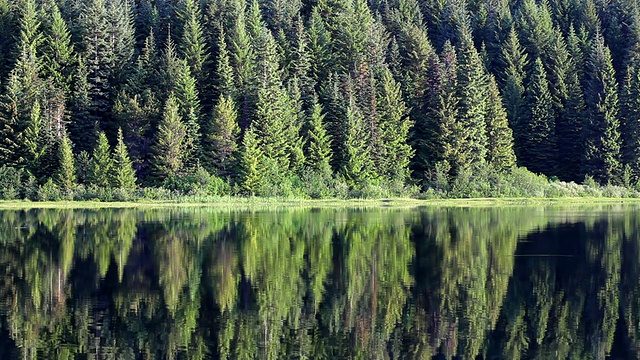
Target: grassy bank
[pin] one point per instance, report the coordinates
(241, 202)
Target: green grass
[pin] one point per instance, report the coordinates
(241, 202)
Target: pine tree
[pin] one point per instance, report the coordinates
(170, 143)
(123, 175)
(538, 129)
(536, 28)
(101, 163)
(244, 62)
(66, 175)
(30, 33)
(319, 142)
(221, 138)
(251, 164)
(500, 152)
(602, 133)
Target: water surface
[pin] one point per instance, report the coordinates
(533, 282)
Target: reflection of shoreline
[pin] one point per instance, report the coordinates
(503, 281)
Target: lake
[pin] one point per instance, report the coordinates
(512, 282)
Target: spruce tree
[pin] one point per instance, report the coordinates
(58, 50)
(66, 175)
(472, 85)
(602, 133)
(83, 127)
(221, 137)
(319, 142)
(500, 152)
(515, 61)
(358, 167)
(193, 45)
(170, 142)
(395, 125)
(101, 163)
(630, 115)
(123, 176)
(251, 164)
(538, 141)
(224, 72)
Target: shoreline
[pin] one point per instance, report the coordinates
(240, 202)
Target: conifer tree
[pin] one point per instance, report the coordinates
(395, 125)
(123, 175)
(515, 61)
(602, 133)
(8, 20)
(535, 26)
(101, 163)
(472, 85)
(538, 152)
(66, 175)
(30, 33)
(193, 44)
(84, 124)
(319, 46)
(251, 163)
(500, 152)
(170, 143)
(221, 138)
(319, 142)
(224, 72)
(58, 51)
(243, 60)
(630, 115)
(358, 167)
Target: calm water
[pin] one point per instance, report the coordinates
(441, 283)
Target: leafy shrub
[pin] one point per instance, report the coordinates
(10, 182)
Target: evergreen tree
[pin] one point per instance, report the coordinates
(101, 163)
(251, 164)
(244, 63)
(58, 51)
(84, 124)
(538, 152)
(395, 125)
(472, 85)
(30, 33)
(500, 137)
(221, 138)
(515, 60)
(319, 142)
(358, 168)
(602, 133)
(224, 72)
(193, 44)
(66, 175)
(170, 143)
(123, 175)
(630, 115)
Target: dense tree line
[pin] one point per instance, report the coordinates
(267, 96)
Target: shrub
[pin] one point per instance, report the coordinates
(10, 182)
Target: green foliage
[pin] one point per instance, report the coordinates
(221, 137)
(66, 176)
(251, 164)
(123, 176)
(602, 132)
(358, 169)
(170, 144)
(538, 141)
(11, 182)
(319, 142)
(101, 164)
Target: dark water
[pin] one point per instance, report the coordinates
(441, 283)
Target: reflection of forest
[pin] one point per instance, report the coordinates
(503, 283)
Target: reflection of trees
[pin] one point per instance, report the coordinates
(323, 283)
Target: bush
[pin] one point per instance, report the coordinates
(198, 183)
(10, 182)
(49, 191)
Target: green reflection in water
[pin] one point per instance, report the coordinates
(196, 283)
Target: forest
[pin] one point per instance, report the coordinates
(117, 99)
